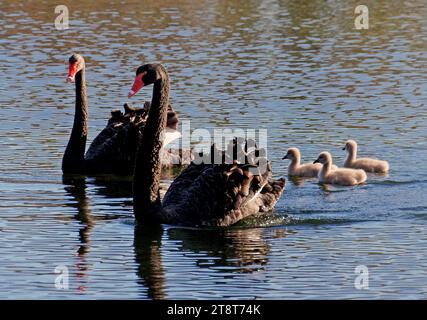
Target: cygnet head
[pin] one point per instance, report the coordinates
(350, 145)
(324, 157)
(292, 154)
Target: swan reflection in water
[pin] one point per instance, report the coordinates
(76, 187)
(230, 250)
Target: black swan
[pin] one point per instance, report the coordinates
(203, 194)
(113, 150)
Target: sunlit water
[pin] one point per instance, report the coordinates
(296, 68)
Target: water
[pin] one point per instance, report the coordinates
(298, 69)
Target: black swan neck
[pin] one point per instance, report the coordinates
(146, 182)
(73, 161)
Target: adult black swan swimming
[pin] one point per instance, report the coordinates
(203, 194)
(113, 150)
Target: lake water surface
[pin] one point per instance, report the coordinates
(296, 68)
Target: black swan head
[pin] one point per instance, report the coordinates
(76, 64)
(145, 75)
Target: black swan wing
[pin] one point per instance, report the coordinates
(114, 148)
(219, 195)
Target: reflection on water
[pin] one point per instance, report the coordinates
(148, 241)
(297, 68)
(232, 250)
(77, 189)
(238, 250)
